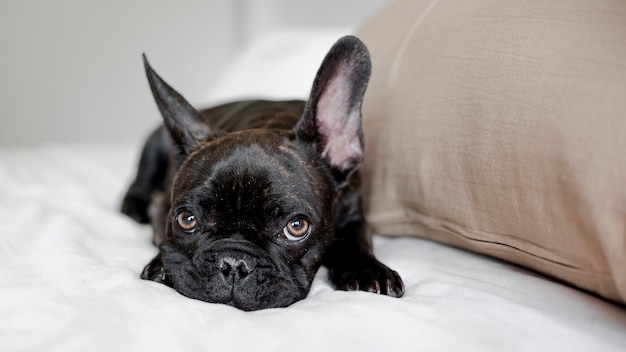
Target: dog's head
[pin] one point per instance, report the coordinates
(252, 212)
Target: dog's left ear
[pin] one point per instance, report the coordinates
(331, 121)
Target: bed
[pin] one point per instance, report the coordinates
(70, 282)
(70, 265)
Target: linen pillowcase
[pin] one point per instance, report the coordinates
(500, 127)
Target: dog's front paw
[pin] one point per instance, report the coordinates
(372, 276)
(154, 271)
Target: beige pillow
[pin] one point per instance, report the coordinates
(500, 127)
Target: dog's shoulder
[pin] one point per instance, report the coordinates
(253, 114)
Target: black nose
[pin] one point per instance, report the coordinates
(234, 269)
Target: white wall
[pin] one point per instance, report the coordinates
(266, 15)
(70, 70)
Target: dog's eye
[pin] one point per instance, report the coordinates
(187, 221)
(296, 229)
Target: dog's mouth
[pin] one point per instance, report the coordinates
(236, 274)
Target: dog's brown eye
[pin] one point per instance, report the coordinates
(187, 221)
(296, 229)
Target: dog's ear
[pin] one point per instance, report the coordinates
(331, 121)
(184, 123)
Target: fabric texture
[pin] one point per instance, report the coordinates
(70, 265)
(500, 127)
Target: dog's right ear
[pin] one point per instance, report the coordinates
(184, 123)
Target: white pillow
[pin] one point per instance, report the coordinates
(280, 65)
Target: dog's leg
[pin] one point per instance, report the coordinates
(350, 259)
(151, 174)
(352, 265)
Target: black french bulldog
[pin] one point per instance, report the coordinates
(256, 195)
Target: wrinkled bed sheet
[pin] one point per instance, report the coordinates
(70, 265)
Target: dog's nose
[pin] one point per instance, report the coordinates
(233, 268)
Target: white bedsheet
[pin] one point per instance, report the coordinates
(70, 265)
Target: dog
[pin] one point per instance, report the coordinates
(256, 195)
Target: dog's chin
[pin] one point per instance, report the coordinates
(247, 297)
(268, 286)
(247, 302)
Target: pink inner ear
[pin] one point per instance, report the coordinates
(339, 123)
